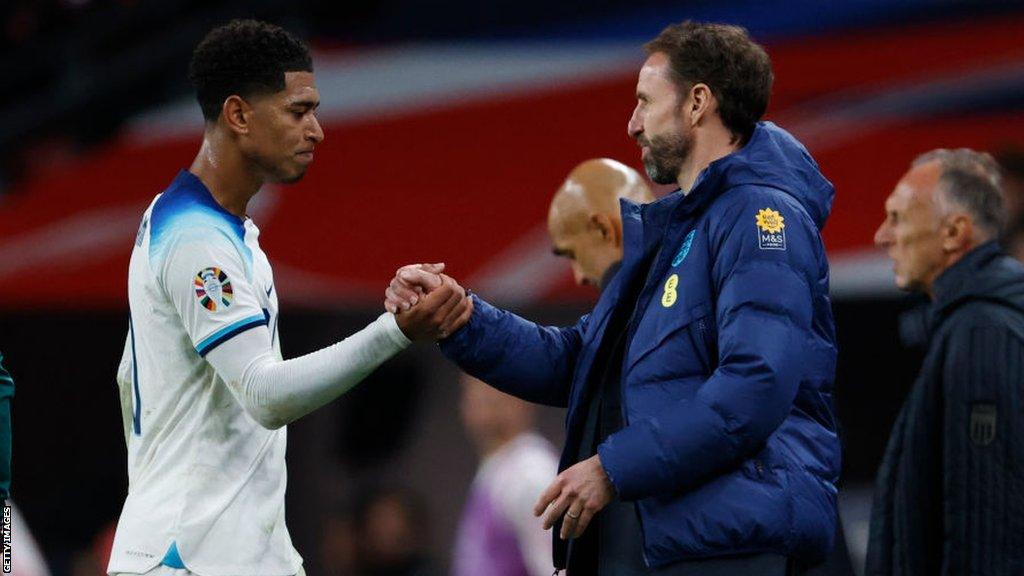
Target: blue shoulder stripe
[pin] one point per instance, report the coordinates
(224, 334)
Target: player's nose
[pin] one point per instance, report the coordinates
(316, 133)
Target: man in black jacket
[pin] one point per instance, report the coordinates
(949, 498)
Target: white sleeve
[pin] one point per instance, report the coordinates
(535, 469)
(275, 392)
(207, 280)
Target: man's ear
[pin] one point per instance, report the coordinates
(700, 101)
(958, 233)
(604, 224)
(237, 114)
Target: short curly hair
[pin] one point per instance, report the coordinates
(247, 58)
(736, 68)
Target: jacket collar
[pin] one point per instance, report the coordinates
(957, 280)
(610, 273)
(644, 226)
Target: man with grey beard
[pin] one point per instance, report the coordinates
(701, 436)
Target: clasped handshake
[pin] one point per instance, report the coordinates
(430, 305)
(427, 304)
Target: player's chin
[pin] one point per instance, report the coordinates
(292, 176)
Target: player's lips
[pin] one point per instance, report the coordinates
(307, 155)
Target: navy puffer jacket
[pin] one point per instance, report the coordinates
(729, 444)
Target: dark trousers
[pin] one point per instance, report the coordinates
(616, 549)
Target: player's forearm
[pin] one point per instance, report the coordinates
(277, 392)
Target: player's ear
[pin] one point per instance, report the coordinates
(237, 114)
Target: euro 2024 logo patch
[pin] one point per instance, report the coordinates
(771, 230)
(213, 289)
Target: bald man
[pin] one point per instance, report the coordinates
(498, 534)
(584, 220)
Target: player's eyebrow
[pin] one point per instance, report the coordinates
(305, 104)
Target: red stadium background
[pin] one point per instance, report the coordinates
(448, 147)
(465, 177)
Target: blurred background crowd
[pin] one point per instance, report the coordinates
(449, 125)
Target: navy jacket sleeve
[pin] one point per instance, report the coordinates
(516, 356)
(6, 393)
(983, 377)
(763, 309)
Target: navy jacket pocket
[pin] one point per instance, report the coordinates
(672, 344)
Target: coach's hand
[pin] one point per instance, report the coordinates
(409, 285)
(463, 313)
(576, 495)
(438, 314)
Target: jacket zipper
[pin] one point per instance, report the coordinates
(631, 329)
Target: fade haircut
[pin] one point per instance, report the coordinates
(972, 181)
(736, 68)
(246, 58)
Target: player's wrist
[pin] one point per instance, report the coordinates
(389, 324)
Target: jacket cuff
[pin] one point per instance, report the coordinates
(615, 459)
(652, 456)
(459, 340)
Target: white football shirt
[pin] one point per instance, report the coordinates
(206, 481)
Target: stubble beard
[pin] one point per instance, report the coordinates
(665, 157)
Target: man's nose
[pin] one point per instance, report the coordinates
(635, 126)
(578, 276)
(883, 237)
(317, 133)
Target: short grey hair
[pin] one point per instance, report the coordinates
(973, 181)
